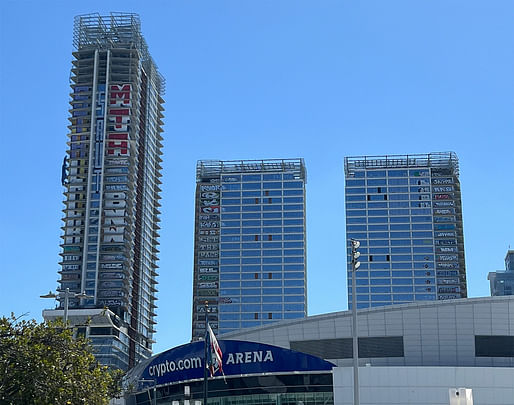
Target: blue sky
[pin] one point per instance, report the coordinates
(267, 79)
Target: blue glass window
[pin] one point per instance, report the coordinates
(424, 249)
(271, 222)
(272, 252)
(402, 289)
(425, 297)
(251, 223)
(247, 253)
(400, 281)
(294, 307)
(398, 189)
(421, 234)
(398, 182)
(231, 194)
(271, 245)
(293, 252)
(230, 216)
(360, 190)
(271, 185)
(293, 259)
(271, 291)
(376, 204)
(377, 235)
(251, 177)
(293, 244)
(272, 298)
(293, 229)
(274, 214)
(272, 307)
(230, 261)
(401, 265)
(235, 186)
(230, 245)
(229, 284)
(293, 207)
(232, 209)
(376, 182)
(272, 176)
(251, 194)
(354, 183)
(380, 281)
(397, 173)
(422, 219)
(294, 267)
(254, 245)
(293, 192)
(376, 173)
(269, 260)
(294, 298)
(230, 201)
(252, 269)
(272, 283)
(229, 276)
(274, 207)
(251, 200)
(403, 297)
(293, 184)
(361, 197)
(251, 186)
(380, 297)
(250, 260)
(378, 242)
(375, 220)
(356, 228)
(272, 230)
(398, 204)
(356, 220)
(357, 205)
(293, 221)
(296, 237)
(290, 275)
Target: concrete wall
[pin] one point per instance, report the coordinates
(424, 385)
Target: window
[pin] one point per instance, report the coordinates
(494, 346)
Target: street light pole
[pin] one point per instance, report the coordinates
(355, 266)
(66, 304)
(66, 294)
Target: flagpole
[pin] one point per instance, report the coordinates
(205, 375)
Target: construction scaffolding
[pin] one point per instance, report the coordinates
(214, 168)
(114, 31)
(446, 160)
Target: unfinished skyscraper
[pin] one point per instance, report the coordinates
(111, 177)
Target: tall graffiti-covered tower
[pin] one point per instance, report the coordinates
(112, 189)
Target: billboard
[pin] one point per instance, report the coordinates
(186, 362)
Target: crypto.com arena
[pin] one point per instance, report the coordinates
(254, 373)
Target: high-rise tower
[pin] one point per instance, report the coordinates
(111, 177)
(406, 212)
(250, 253)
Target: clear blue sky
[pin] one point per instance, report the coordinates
(267, 79)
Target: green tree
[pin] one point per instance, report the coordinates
(41, 364)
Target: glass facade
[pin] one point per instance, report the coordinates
(250, 253)
(406, 212)
(111, 177)
(280, 389)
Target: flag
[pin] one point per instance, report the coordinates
(214, 353)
